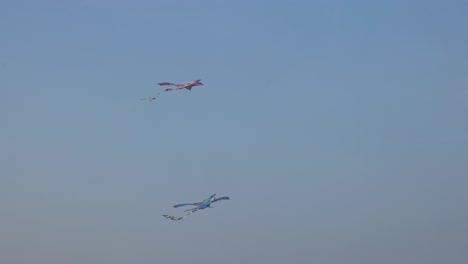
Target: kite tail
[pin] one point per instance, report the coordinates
(177, 218)
(149, 99)
(152, 98)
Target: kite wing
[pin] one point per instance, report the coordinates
(220, 198)
(196, 208)
(166, 83)
(179, 205)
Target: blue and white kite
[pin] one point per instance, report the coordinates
(199, 206)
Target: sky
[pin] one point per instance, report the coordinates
(339, 129)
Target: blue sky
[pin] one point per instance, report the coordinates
(338, 128)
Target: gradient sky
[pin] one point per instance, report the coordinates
(338, 128)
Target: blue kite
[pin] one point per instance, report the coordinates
(199, 206)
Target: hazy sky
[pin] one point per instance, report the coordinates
(338, 128)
